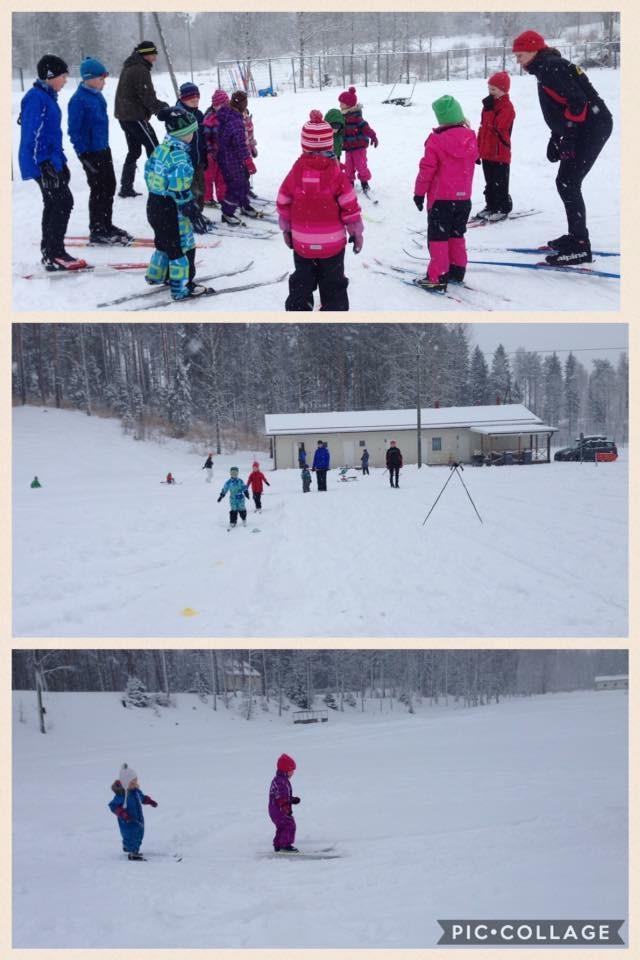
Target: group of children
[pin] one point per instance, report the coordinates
(128, 801)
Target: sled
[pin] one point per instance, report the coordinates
(401, 101)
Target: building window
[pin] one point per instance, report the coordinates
(436, 443)
(361, 443)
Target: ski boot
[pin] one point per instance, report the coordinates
(496, 216)
(559, 242)
(481, 215)
(231, 220)
(252, 212)
(64, 261)
(432, 286)
(194, 290)
(456, 273)
(127, 192)
(211, 203)
(135, 856)
(119, 237)
(364, 186)
(289, 849)
(244, 523)
(571, 254)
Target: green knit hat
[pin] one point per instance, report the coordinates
(447, 111)
(178, 121)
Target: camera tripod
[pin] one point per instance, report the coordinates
(455, 468)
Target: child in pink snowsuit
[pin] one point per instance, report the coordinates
(357, 135)
(213, 179)
(280, 801)
(446, 176)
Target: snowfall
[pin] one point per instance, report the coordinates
(106, 549)
(515, 810)
(388, 225)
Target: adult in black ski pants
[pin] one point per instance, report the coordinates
(58, 204)
(327, 275)
(138, 134)
(394, 462)
(580, 125)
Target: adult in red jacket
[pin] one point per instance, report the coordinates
(580, 125)
(316, 204)
(394, 463)
(256, 480)
(494, 147)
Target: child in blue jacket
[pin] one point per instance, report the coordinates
(89, 134)
(238, 491)
(41, 158)
(127, 805)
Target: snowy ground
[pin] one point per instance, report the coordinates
(511, 810)
(394, 166)
(105, 549)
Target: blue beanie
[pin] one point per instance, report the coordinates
(188, 90)
(90, 69)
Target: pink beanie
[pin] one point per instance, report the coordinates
(349, 97)
(219, 99)
(317, 134)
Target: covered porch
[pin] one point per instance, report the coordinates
(507, 445)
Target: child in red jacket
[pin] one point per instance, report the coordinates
(255, 480)
(494, 147)
(316, 203)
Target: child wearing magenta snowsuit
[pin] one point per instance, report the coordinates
(316, 204)
(494, 147)
(356, 138)
(214, 187)
(127, 805)
(256, 481)
(281, 800)
(445, 175)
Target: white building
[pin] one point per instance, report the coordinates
(617, 682)
(502, 433)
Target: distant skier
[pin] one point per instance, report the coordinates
(356, 138)
(281, 800)
(208, 466)
(364, 460)
(494, 147)
(316, 204)
(238, 492)
(580, 125)
(35, 484)
(127, 805)
(445, 175)
(255, 482)
(321, 463)
(89, 134)
(42, 159)
(394, 463)
(135, 103)
(305, 475)
(170, 479)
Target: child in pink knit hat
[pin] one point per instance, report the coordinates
(357, 136)
(316, 204)
(213, 179)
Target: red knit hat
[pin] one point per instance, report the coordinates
(286, 764)
(349, 97)
(219, 99)
(501, 80)
(317, 134)
(255, 463)
(528, 42)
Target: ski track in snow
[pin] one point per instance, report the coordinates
(105, 549)
(278, 122)
(472, 816)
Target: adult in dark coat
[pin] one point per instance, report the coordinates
(394, 463)
(302, 456)
(135, 103)
(580, 125)
(364, 460)
(320, 466)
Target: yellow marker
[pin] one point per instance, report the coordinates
(189, 612)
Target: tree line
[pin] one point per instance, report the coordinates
(215, 382)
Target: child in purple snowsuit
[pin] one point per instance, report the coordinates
(280, 801)
(234, 159)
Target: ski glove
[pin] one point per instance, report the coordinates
(123, 814)
(374, 141)
(49, 176)
(288, 239)
(356, 231)
(87, 164)
(419, 202)
(250, 166)
(567, 147)
(553, 152)
(478, 161)
(152, 803)
(246, 494)
(295, 799)
(219, 499)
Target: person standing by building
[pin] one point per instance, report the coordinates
(321, 463)
(364, 460)
(394, 463)
(135, 103)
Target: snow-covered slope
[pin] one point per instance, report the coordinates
(105, 549)
(394, 166)
(511, 810)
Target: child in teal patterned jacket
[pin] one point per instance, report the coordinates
(238, 491)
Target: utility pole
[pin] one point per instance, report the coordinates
(419, 400)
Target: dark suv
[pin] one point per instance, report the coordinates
(586, 448)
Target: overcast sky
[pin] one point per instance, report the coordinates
(587, 340)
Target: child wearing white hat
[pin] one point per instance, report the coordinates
(127, 805)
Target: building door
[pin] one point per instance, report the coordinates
(348, 453)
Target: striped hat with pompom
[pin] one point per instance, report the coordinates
(317, 134)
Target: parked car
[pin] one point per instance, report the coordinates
(586, 448)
